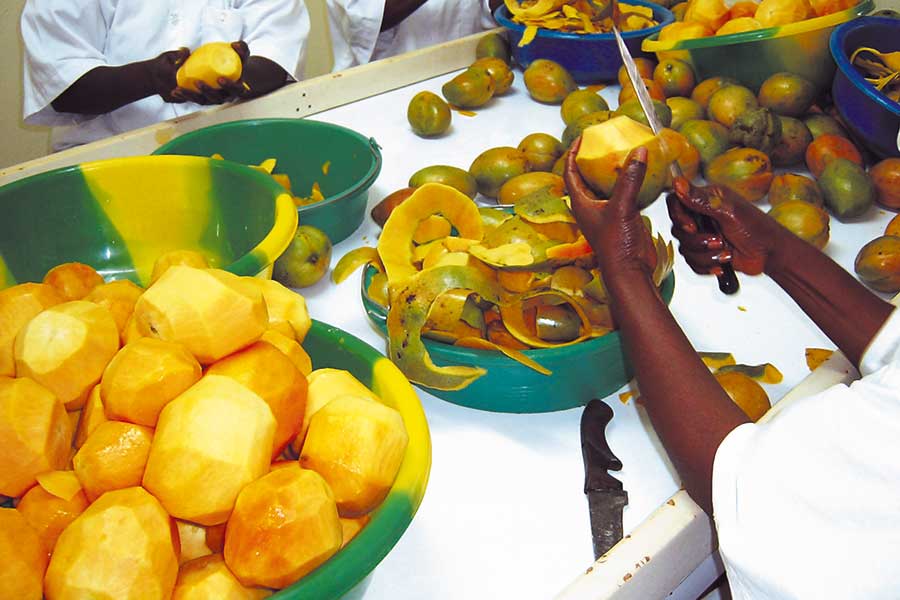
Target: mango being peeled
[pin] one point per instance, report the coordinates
(207, 64)
(604, 148)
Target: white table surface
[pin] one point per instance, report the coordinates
(504, 515)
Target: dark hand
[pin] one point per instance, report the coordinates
(228, 90)
(614, 228)
(747, 234)
(162, 71)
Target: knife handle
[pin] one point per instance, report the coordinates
(598, 457)
(728, 281)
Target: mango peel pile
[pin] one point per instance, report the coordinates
(574, 16)
(481, 277)
(881, 69)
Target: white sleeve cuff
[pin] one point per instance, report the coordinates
(884, 346)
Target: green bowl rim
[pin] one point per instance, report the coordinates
(651, 44)
(391, 519)
(364, 183)
(250, 262)
(378, 316)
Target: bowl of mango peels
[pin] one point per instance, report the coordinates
(866, 88)
(573, 34)
(494, 309)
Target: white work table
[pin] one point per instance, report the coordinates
(504, 515)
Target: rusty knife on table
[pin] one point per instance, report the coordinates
(728, 282)
(605, 496)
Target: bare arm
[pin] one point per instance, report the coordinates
(688, 408)
(844, 309)
(104, 89)
(397, 10)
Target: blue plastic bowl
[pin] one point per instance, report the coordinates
(871, 116)
(590, 58)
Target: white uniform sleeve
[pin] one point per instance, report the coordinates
(277, 30)
(884, 347)
(806, 505)
(354, 26)
(63, 40)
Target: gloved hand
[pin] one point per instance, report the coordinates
(162, 71)
(748, 236)
(228, 90)
(614, 228)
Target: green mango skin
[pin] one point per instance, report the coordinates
(495, 166)
(795, 137)
(632, 108)
(448, 175)
(574, 129)
(708, 137)
(428, 114)
(408, 313)
(493, 45)
(847, 189)
(759, 128)
(548, 81)
(472, 88)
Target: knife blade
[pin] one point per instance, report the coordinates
(605, 495)
(728, 282)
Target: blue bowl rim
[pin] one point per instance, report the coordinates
(363, 184)
(836, 46)
(663, 15)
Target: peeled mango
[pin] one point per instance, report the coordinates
(207, 64)
(604, 148)
(121, 546)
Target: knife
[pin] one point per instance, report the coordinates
(605, 496)
(728, 282)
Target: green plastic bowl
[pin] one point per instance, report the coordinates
(591, 369)
(302, 148)
(332, 347)
(753, 56)
(119, 215)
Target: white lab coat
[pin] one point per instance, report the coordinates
(808, 504)
(355, 25)
(64, 39)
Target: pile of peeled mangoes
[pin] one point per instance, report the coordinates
(706, 18)
(176, 441)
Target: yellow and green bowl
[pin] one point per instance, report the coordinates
(332, 347)
(753, 56)
(119, 215)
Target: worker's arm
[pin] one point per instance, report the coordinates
(688, 408)
(104, 89)
(844, 309)
(397, 10)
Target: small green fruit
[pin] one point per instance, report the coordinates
(306, 259)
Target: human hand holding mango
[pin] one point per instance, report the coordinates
(212, 74)
(614, 228)
(162, 72)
